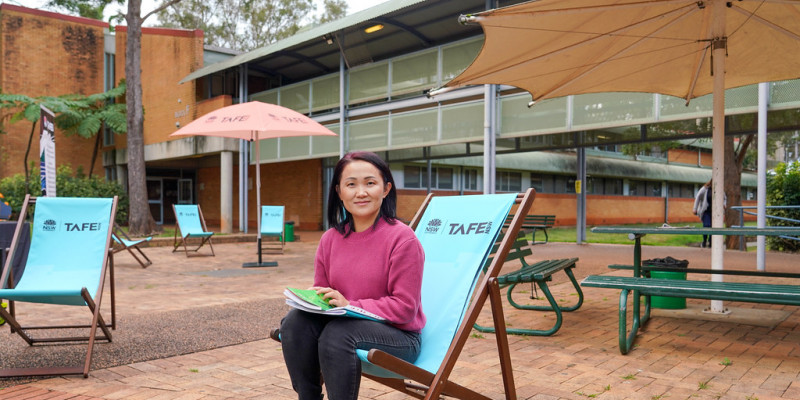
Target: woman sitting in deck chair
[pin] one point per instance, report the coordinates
(368, 259)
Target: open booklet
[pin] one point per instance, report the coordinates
(308, 300)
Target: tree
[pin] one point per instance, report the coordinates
(96, 111)
(141, 222)
(783, 189)
(86, 8)
(248, 24)
(738, 154)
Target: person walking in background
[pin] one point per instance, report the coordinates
(702, 208)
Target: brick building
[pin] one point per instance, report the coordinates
(371, 89)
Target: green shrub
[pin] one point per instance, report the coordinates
(783, 189)
(68, 184)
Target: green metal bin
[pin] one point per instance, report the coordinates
(288, 231)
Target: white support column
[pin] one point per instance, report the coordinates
(489, 151)
(719, 49)
(226, 192)
(761, 194)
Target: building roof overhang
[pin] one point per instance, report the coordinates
(409, 25)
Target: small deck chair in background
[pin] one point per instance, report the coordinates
(66, 266)
(124, 242)
(457, 234)
(272, 226)
(192, 227)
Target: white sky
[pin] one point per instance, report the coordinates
(149, 5)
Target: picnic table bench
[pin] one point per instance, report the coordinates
(533, 223)
(538, 273)
(785, 294)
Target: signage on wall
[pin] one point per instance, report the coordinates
(47, 152)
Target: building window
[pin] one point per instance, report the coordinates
(444, 178)
(109, 78)
(612, 186)
(653, 189)
(644, 188)
(681, 190)
(111, 173)
(415, 177)
(412, 178)
(636, 188)
(545, 183)
(470, 179)
(508, 181)
(569, 185)
(559, 184)
(537, 183)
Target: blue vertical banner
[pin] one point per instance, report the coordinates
(47, 152)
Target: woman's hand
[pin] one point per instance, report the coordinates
(333, 296)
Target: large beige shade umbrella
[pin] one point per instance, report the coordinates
(683, 48)
(254, 121)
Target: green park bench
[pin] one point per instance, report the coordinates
(729, 291)
(533, 223)
(537, 274)
(642, 285)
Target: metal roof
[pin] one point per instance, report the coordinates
(409, 25)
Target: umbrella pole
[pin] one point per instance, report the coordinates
(258, 213)
(718, 50)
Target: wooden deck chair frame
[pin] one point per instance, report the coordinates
(269, 218)
(423, 384)
(204, 236)
(124, 242)
(29, 296)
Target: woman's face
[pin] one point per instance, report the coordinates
(362, 190)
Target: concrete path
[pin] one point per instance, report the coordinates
(754, 353)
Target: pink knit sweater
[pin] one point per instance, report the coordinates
(379, 270)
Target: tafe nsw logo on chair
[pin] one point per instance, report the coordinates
(50, 225)
(457, 228)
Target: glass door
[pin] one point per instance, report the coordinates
(155, 197)
(185, 192)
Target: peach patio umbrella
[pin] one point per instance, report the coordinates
(683, 48)
(254, 121)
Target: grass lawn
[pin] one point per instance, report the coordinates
(569, 234)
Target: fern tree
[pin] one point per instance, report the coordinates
(96, 111)
(75, 114)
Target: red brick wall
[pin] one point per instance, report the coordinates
(47, 54)
(297, 185)
(168, 55)
(685, 156)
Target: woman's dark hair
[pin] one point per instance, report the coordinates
(338, 217)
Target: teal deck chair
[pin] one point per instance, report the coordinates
(124, 242)
(457, 234)
(272, 226)
(192, 228)
(70, 254)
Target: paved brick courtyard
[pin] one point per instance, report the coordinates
(754, 353)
